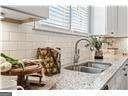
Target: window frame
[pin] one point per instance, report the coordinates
(69, 27)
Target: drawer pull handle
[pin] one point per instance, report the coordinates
(106, 87)
(125, 74)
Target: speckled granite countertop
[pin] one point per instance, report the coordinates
(79, 80)
(8, 83)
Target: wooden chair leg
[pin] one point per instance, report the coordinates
(26, 79)
(40, 79)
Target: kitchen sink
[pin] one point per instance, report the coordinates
(89, 67)
(99, 65)
(84, 69)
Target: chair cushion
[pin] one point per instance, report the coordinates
(50, 60)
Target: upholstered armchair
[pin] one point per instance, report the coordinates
(49, 58)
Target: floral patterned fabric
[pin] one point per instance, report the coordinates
(50, 60)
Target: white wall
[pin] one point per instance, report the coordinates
(98, 21)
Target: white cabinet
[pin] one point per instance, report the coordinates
(120, 80)
(25, 12)
(117, 21)
(109, 20)
(122, 21)
(111, 83)
(98, 20)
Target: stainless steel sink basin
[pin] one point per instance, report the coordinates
(96, 65)
(89, 67)
(84, 69)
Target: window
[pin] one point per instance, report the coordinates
(72, 18)
(58, 17)
(80, 19)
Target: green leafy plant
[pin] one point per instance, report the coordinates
(97, 42)
(14, 62)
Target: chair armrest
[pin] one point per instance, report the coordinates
(31, 61)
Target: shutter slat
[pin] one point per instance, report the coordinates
(80, 19)
(59, 16)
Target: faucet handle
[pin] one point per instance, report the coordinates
(91, 48)
(86, 45)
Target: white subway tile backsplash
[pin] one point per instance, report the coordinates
(7, 52)
(17, 36)
(21, 54)
(25, 28)
(10, 27)
(5, 35)
(25, 45)
(5, 46)
(29, 37)
(31, 54)
(13, 45)
(22, 42)
(14, 54)
(1, 44)
(9, 46)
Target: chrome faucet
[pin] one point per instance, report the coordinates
(77, 51)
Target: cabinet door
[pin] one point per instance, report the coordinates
(41, 11)
(117, 20)
(25, 12)
(121, 79)
(118, 79)
(112, 23)
(98, 20)
(125, 76)
(112, 83)
(126, 81)
(122, 21)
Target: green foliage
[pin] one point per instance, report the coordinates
(97, 42)
(14, 62)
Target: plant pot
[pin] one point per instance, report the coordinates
(98, 54)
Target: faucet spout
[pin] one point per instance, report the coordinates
(76, 58)
(77, 51)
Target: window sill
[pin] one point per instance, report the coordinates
(57, 30)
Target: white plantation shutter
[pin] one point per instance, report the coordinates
(72, 18)
(80, 19)
(58, 17)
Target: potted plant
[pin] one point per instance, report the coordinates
(97, 43)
